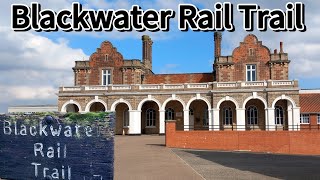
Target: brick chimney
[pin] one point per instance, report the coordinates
(281, 47)
(147, 52)
(217, 44)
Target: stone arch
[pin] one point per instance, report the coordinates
(148, 99)
(173, 99)
(227, 98)
(64, 106)
(198, 98)
(284, 97)
(255, 97)
(113, 106)
(87, 109)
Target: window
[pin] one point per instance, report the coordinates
(106, 57)
(190, 112)
(169, 114)
(227, 116)
(126, 117)
(279, 116)
(106, 76)
(251, 72)
(304, 118)
(151, 118)
(252, 115)
(251, 52)
(318, 118)
(205, 117)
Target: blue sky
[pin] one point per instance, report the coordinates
(33, 65)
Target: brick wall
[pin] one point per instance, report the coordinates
(284, 142)
(178, 78)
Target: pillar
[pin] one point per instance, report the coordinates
(296, 118)
(270, 121)
(162, 122)
(241, 119)
(186, 125)
(216, 119)
(134, 122)
(211, 124)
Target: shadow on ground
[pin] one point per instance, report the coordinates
(277, 166)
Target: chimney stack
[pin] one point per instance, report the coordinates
(275, 51)
(281, 47)
(147, 52)
(217, 44)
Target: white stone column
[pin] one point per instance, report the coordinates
(270, 120)
(186, 124)
(134, 122)
(296, 118)
(216, 119)
(241, 119)
(162, 122)
(211, 124)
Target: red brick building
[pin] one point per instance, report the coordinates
(247, 90)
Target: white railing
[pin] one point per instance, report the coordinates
(75, 88)
(121, 87)
(227, 84)
(149, 86)
(253, 83)
(197, 86)
(95, 88)
(173, 86)
(282, 83)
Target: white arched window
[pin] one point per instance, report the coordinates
(150, 118)
(279, 115)
(252, 115)
(227, 116)
(169, 114)
(126, 117)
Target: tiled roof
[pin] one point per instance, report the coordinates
(310, 103)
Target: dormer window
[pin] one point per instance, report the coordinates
(106, 57)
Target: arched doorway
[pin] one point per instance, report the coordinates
(72, 108)
(97, 107)
(174, 111)
(150, 118)
(200, 115)
(281, 114)
(255, 115)
(122, 119)
(227, 114)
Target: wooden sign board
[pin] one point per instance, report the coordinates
(49, 147)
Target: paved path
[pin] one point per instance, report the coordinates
(146, 158)
(240, 165)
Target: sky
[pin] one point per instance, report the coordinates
(34, 64)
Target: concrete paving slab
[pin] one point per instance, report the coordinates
(146, 158)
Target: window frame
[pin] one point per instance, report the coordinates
(126, 121)
(106, 75)
(251, 70)
(304, 116)
(279, 118)
(150, 122)
(318, 118)
(228, 117)
(169, 114)
(255, 117)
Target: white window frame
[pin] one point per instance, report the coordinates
(106, 77)
(227, 116)
(318, 118)
(169, 114)
(126, 118)
(253, 118)
(304, 118)
(252, 69)
(279, 120)
(150, 118)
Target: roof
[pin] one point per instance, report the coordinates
(309, 102)
(179, 78)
